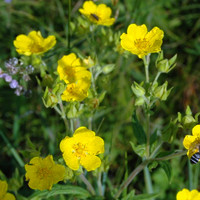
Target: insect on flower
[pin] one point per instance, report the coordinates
(195, 157)
(95, 16)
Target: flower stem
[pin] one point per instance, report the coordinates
(148, 182)
(99, 184)
(88, 184)
(156, 78)
(190, 174)
(131, 177)
(148, 134)
(146, 61)
(63, 115)
(69, 20)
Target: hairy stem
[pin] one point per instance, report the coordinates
(88, 184)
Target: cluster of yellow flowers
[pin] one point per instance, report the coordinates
(83, 148)
(76, 77)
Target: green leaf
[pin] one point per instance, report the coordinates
(129, 196)
(152, 165)
(61, 189)
(145, 196)
(140, 150)
(138, 130)
(167, 168)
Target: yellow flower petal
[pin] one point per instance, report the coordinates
(3, 188)
(183, 194)
(188, 140)
(196, 131)
(8, 196)
(90, 162)
(71, 161)
(96, 145)
(137, 32)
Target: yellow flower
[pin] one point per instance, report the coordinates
(34, 43)
(140, 42)
(70, 69)
(81, 149)
(98, 14)
(4, 195)
(76, 91)
(42, 173)
(185, 194)
(192, 142)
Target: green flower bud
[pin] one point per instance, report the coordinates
(161, 92)
(138, 90)
(165, 65)
(49, 99)
(139, 101)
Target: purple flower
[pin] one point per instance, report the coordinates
(8, 1)
(14, 84)
(7, 78)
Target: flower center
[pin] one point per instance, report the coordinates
(79, 149)
(43, 173)
(141, 43)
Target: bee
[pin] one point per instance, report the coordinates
(95, 16)
(195, 157)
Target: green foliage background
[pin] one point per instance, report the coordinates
(31, 128)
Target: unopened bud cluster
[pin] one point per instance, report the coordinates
(14, 70)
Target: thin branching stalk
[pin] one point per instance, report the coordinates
(133, 174)
(88, 184)
(190, 175)
(12, 150)
(100, 184)
(64, 116)
(148, 181)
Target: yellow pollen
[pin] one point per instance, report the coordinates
(79, 149)
(141, 43)
(43, 173)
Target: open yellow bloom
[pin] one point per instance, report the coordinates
(81, 149)
(34, 43)
(98, 14)
(192, 142)
(70, 69)
(140, 42)
(4, 195)
(42, 173)
(185, 194)
(76, 91)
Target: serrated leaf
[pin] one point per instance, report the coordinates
(138, 130)
(61, 189)
(167, 169)
(145, 196)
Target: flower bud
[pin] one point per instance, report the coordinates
(137, 89)
(165, 65)
(49, 99)
(161, 92)
(139, 101)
